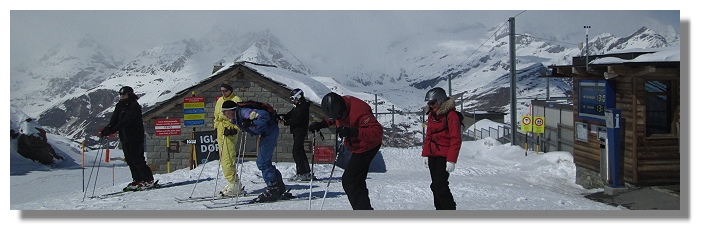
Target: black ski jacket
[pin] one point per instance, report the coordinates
(297, 119)
(127, 119)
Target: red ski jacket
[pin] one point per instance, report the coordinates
(443, 139)
(360, 116)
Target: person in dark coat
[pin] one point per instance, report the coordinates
(297, 119)
(262, 123)
(441, 145)
(363, 137)
(127, 119)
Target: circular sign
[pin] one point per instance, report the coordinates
(526, 120)
(538, 122)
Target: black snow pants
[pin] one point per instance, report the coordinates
(299, 153)
(442, 198)
(354, 179)
(134, 156)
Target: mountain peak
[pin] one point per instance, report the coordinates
(266, 48)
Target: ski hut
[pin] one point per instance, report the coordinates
(626, 116)
(193, 144)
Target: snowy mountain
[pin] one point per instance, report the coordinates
(76, 86)
(61, 72)
(155, 74)
(267, 49)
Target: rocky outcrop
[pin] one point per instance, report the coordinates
(35, 146)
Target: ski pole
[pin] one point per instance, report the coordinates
(313, 159)
(240, 160)
(83, 166)
(100, 151)
(335, 161)
(310, 184)
(95, 182)
(208, 157)
(217, 176)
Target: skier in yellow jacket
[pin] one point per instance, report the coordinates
(227, 138)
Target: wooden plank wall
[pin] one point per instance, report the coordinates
(646, 160)
(657, 157)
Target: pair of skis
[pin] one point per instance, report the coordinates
(121, 193)
(235, 205)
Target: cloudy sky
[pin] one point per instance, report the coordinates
(327, 31)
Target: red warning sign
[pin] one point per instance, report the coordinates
(164, 127)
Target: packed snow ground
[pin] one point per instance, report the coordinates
(488, 176)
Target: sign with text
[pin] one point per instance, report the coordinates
(592, 99)
(165, 127)
(206, 146)
(526, 122)
(539, 123)
(194, 111)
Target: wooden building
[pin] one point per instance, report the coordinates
(648, 94)
(248, 84)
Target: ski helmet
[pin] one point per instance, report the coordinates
(437, 94)
(228, 105)
(126, 90)
(334, 107)
(296, 94)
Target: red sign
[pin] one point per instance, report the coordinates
(163, 127)
(194, 99)
(323, 154)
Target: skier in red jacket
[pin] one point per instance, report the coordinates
(441, 145)
(363, 136)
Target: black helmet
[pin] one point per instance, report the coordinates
(437, 94)
(296, 94)
(334, 107)
(228, 105)
(126, 90)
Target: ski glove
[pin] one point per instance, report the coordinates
(230, 132)
(247, 123)
(425, 162)
(106, 132)
(316, 126)
(347, 131)
(450, 166)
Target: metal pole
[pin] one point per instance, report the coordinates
(513, 74)
(587, 52)
(449, 86)
(375, 105)
(394, 130)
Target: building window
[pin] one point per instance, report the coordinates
(660, 105)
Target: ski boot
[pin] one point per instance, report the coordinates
(232, 190)
(273, 192)
(302, 177)
(131, 186)
(146, 185)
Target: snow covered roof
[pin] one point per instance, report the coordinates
(313, 90)
(667, 57)
(666, 54)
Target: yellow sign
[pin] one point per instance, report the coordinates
(194, 116)
(194, 105)
(539, 123)
(526, 122)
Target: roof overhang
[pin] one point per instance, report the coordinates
(630, 69)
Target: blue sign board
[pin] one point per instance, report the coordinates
(593, 99)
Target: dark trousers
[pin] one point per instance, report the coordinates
(134, 156)
(299, 153)
(442, 198)
(354, 179)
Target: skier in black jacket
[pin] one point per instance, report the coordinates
(297, 119)
(127, 119)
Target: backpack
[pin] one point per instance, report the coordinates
(251, 104)
(460, 119)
